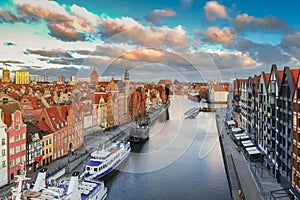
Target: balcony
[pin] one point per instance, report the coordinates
(298, 144)
(294, 156)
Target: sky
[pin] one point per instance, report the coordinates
(188, 40)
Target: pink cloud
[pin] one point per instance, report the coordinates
(221, 36)
(213, 10)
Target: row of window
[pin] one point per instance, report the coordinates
(17, 138)
(47, 142)
(17, 161)
(17, 149)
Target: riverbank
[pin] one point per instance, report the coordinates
(250, 177)
(93, 140)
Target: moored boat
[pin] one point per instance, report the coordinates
(64, 190)
(104, 161)
(194, 96)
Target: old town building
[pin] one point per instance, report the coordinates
(3, 152)
(33, 147)
(16, 145)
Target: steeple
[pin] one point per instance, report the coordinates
(126, 74)
(94, 77)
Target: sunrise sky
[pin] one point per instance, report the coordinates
(187, 40)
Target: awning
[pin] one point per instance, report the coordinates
(236, 130)
(230, 122)
(247, 143)
(253, 152)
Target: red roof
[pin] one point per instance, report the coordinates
(280, 73)
(98, 97)
(7, 118)
(267, 75)
(55, 118)
(36, 102)
(14, 95)
(221, 88)
(44, 127)
(165, 82)
(295, 75)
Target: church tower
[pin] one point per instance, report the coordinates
(94, 77)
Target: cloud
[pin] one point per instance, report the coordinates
(9, 44)
(213, 10)
(63, 25)
(50, 53)
(232, 60)
(157, 14)
(244, 22)
(127, 30)
(111, 27)
(221, 36)
(10, 62)
(8, 17)
(148, 55)
(62, 32)
(291, 44)
(265, 54)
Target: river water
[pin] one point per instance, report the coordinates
(181, 160)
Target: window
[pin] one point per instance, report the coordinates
(12, 151)
(23, 147)
(17, 138)
(50, 149)
(17, 161)
(3, 141)
(17, 149)
(23, 159)
(17, 127)
(11, 163)
(11, 139)
(3, 152)
(3, 164)
(50, 141)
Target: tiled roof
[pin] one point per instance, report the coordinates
(7, 118)
(165, 81)
(267, 76)
(36, 102)
(44, 127)
(14, 95)
(55, 118)
(295, 75)
(221, 88)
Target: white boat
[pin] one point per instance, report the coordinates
(72, 189)
(104, 161)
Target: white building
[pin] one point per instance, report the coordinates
(218, 94)
(3, 153)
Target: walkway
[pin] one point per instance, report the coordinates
(255, 180)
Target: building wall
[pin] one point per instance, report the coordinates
(295, 176)
(3, 153)
(47, 149)
(16, 145)
(22, 77)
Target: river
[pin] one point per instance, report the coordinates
(181, 160)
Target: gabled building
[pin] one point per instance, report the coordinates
(3, 153)
(218, 93)
(16, 148)
(34, 146)
(47, 144)
(262, 110)
(295, 176)
(284, 125)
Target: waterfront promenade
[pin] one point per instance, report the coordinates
(94, 138)
(252, 178)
